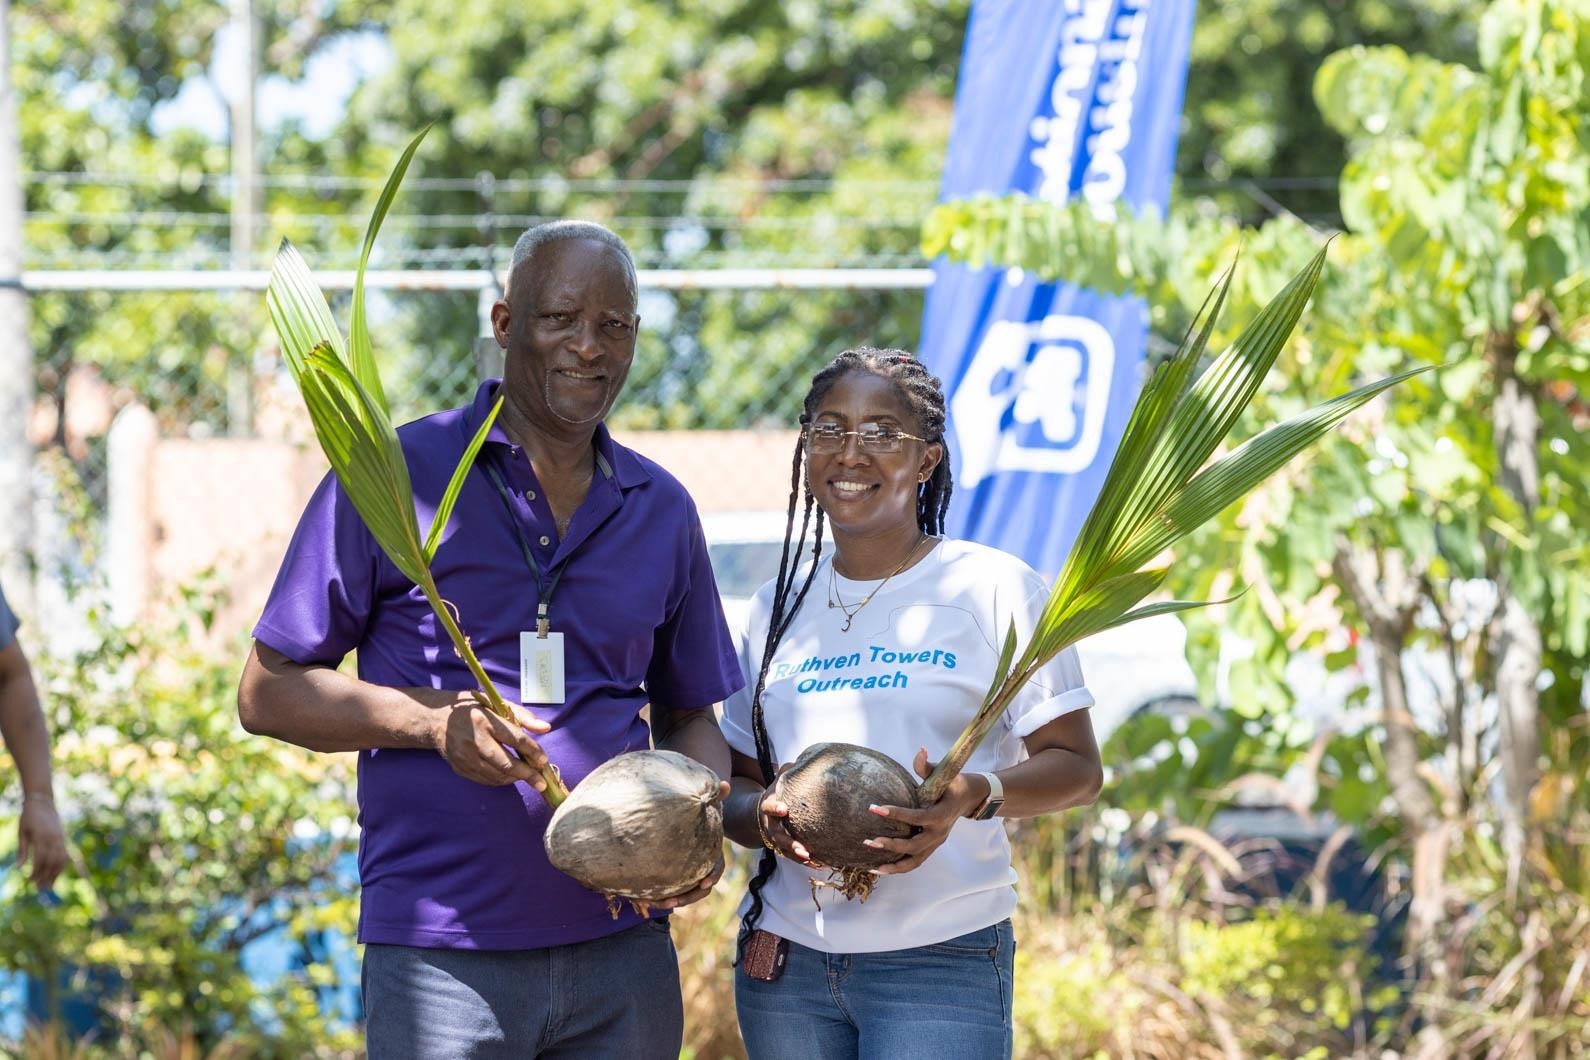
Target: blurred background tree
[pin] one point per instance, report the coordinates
(709, 134)
(192, 842)
(1446, 530)
(733, 133)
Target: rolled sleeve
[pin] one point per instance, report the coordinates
(1027, 721)
(320, 605)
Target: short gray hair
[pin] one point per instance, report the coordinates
(534, 239)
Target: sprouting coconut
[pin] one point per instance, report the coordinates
(645, 826)
(829, 790)
(1156, 492)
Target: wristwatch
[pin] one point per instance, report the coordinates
(996, 799)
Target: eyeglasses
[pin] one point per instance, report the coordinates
(870, 438)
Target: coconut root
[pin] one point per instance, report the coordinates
(615, 905)
(856, 883)
(852, 883)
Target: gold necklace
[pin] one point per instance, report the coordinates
(851, 610)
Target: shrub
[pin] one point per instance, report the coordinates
(191, 840)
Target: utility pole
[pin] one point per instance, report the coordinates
(245, 208)
(16, 352)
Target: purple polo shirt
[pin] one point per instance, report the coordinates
(445, 862)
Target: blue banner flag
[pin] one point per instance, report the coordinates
(1057, 98)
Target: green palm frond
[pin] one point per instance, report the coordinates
(444, 510)
(1087, 613)
(366, 457)
(1144, 427)
(1158, 489)
(1235, 475)
(298, 310)
(363, 359)
(347, 406)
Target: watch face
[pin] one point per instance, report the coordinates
(990, 809)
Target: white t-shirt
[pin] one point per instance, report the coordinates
(910, 673)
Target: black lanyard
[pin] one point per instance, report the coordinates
(544, 590)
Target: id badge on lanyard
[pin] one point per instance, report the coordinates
(540, 668)
(541, 659)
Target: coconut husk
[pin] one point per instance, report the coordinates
(829, 791)
(646, 825)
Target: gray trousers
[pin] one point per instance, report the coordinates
(611, 997)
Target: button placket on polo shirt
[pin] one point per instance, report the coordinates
(528, 502)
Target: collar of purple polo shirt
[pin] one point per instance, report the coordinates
(445, 862)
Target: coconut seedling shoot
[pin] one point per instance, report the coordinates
(646, 825)
(1157, 491)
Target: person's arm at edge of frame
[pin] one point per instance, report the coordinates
(318, 708)
(27, 735)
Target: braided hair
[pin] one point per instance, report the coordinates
(924, 397)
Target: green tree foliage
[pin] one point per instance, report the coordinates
(190, 839)
(1245, 117)
(1448, 528)
(597, 99)
(1177, 981)
(738, 99)
(88, 78)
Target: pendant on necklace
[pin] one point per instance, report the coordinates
(846, 627)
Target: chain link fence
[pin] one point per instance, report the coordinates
(199, 373)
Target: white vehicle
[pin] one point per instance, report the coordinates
(744, 548)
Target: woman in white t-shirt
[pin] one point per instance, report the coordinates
(889, 642)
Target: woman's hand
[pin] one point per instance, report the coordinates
(964, 795)
(772, 814)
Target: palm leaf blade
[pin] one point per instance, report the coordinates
(1166, 607)
(1124, 480)
(444, 510)
(363, 356)
(1211, 406)
(298, 309)
(359, 459)
(1238, 473)
(1091, 610)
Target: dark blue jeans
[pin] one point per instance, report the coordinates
(617, 997)
(951, 999)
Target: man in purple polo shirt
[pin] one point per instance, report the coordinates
(475, 945)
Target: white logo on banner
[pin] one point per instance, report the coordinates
(1035, 371)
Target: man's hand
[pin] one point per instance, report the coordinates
(476, 742)
(40, 837)
(935, 821)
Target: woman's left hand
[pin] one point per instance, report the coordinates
(935, 821)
